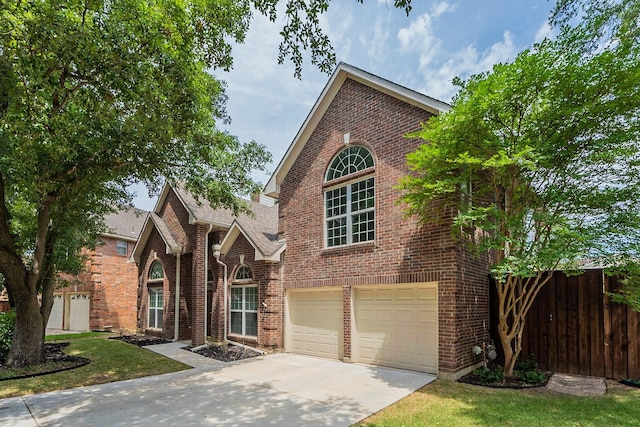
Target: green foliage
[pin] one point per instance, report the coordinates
(629, 291)
(546, 148)
(7, 324)
(490, 375)
(542, 156)
(529, 372)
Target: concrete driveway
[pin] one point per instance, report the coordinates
(275, 390)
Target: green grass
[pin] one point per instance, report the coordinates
(69, 337)
(445, 403)
(111, 360)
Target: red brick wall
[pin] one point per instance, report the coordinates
(111, 281)
(266, 275)
(177, 219)
(402, 251)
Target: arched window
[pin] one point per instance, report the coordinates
(350, 160)
(350, 207)
(244, 304)
(243, 273)
(156, 271)
(156, 295)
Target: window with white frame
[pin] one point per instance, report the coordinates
(243, 273)
(350, 207)
(121, 247)
(156, 272)
(156, 296)
(244, 310)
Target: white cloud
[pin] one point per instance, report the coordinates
(545, 31)
(442, 7)
(464, 63)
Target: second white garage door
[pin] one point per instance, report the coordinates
(315, 322)
(398, 326)
(78, 312)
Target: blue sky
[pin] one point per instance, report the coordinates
(425, 51)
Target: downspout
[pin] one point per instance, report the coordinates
(176, 322)
(216, 253)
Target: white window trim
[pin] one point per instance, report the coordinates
(349, 214)
(119, 247)
(243, 310)
(155, 291)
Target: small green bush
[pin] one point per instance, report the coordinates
(488, 376)
(527, 370)
(7, 325)
(532, 377)
(529, 364)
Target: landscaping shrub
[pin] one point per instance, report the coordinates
(7, 324)
(490, 375)
(528, 371)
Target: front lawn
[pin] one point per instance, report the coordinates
(445, 403)
(111, 360)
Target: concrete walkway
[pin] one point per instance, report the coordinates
(275, 390)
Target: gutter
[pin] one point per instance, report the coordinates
(176, 321)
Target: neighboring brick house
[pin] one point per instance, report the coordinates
(334, 269)
(104, 295)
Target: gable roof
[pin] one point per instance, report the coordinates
(125, 224)
(262, 228)
(152, 221)
(262, 233)
(340, 75)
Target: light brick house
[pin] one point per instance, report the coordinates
(334, 269)
(103, 295)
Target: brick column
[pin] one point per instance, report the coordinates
(198, 286)
(271, 319)
(346, 320)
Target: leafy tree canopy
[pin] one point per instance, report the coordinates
(542, 155)
(96, 95)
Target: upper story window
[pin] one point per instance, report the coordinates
(243, 274)
(350, 206)
(121, 247)
(156, 271)
(350, 160)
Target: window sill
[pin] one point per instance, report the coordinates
(365, 246)
(243, 338)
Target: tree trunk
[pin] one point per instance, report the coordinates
(515, 297)
(28, 337)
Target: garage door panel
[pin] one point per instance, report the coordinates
(315, 322)
(79, 312)
(427, 293)
(57, 313)
(397, 327)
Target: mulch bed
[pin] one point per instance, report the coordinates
(141, 340)
(226, 353)
(632, 383)
(56, 360)
(507, 382)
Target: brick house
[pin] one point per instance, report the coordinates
(103, 295)
(334, 268)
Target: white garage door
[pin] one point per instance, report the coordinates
(315, 322)
(79, 312)
(57, 313)
(398, 326)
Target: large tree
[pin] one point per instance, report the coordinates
(542, 156)
(96, 95)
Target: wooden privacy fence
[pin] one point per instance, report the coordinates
(573, 327)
